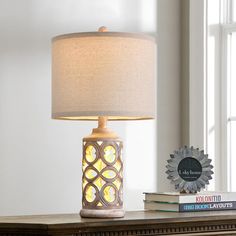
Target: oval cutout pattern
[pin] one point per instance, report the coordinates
(109, 174)
(90, 153)
(90, 193)
(109, 194)
(109, 154)
(90, 173)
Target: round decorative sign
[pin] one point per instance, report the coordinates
(189, 169)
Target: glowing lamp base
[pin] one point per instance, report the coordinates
(102, 174)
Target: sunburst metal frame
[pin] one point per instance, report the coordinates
(182, 185)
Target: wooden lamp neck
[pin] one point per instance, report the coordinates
(102, 122)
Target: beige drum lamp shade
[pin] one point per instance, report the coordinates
(103, 74)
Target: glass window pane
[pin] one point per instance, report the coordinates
(232, 108)
(233, 77)
(234, 10)
(232, 153)
(213, 12)
(211, 83)
(211, 104)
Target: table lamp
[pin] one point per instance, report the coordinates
(103, 76)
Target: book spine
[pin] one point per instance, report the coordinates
(207, 198)
(215, 206)
(198, 198)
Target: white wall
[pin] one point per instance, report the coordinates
(197, 72)
(168, 101)
(40, 158)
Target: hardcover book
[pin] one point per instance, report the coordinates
(189, 207)
(202, 197)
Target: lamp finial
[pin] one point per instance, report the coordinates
(102, 29)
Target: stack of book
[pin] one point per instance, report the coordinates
(178, 202)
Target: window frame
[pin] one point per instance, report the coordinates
(198, 86)
(222, 117)
(227, 29)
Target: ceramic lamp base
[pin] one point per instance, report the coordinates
(102, 174)
(113, 213)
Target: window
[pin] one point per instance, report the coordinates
(221, 92)
(230, 34)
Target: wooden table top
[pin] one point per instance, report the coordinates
(135, 223)
(131, 218)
